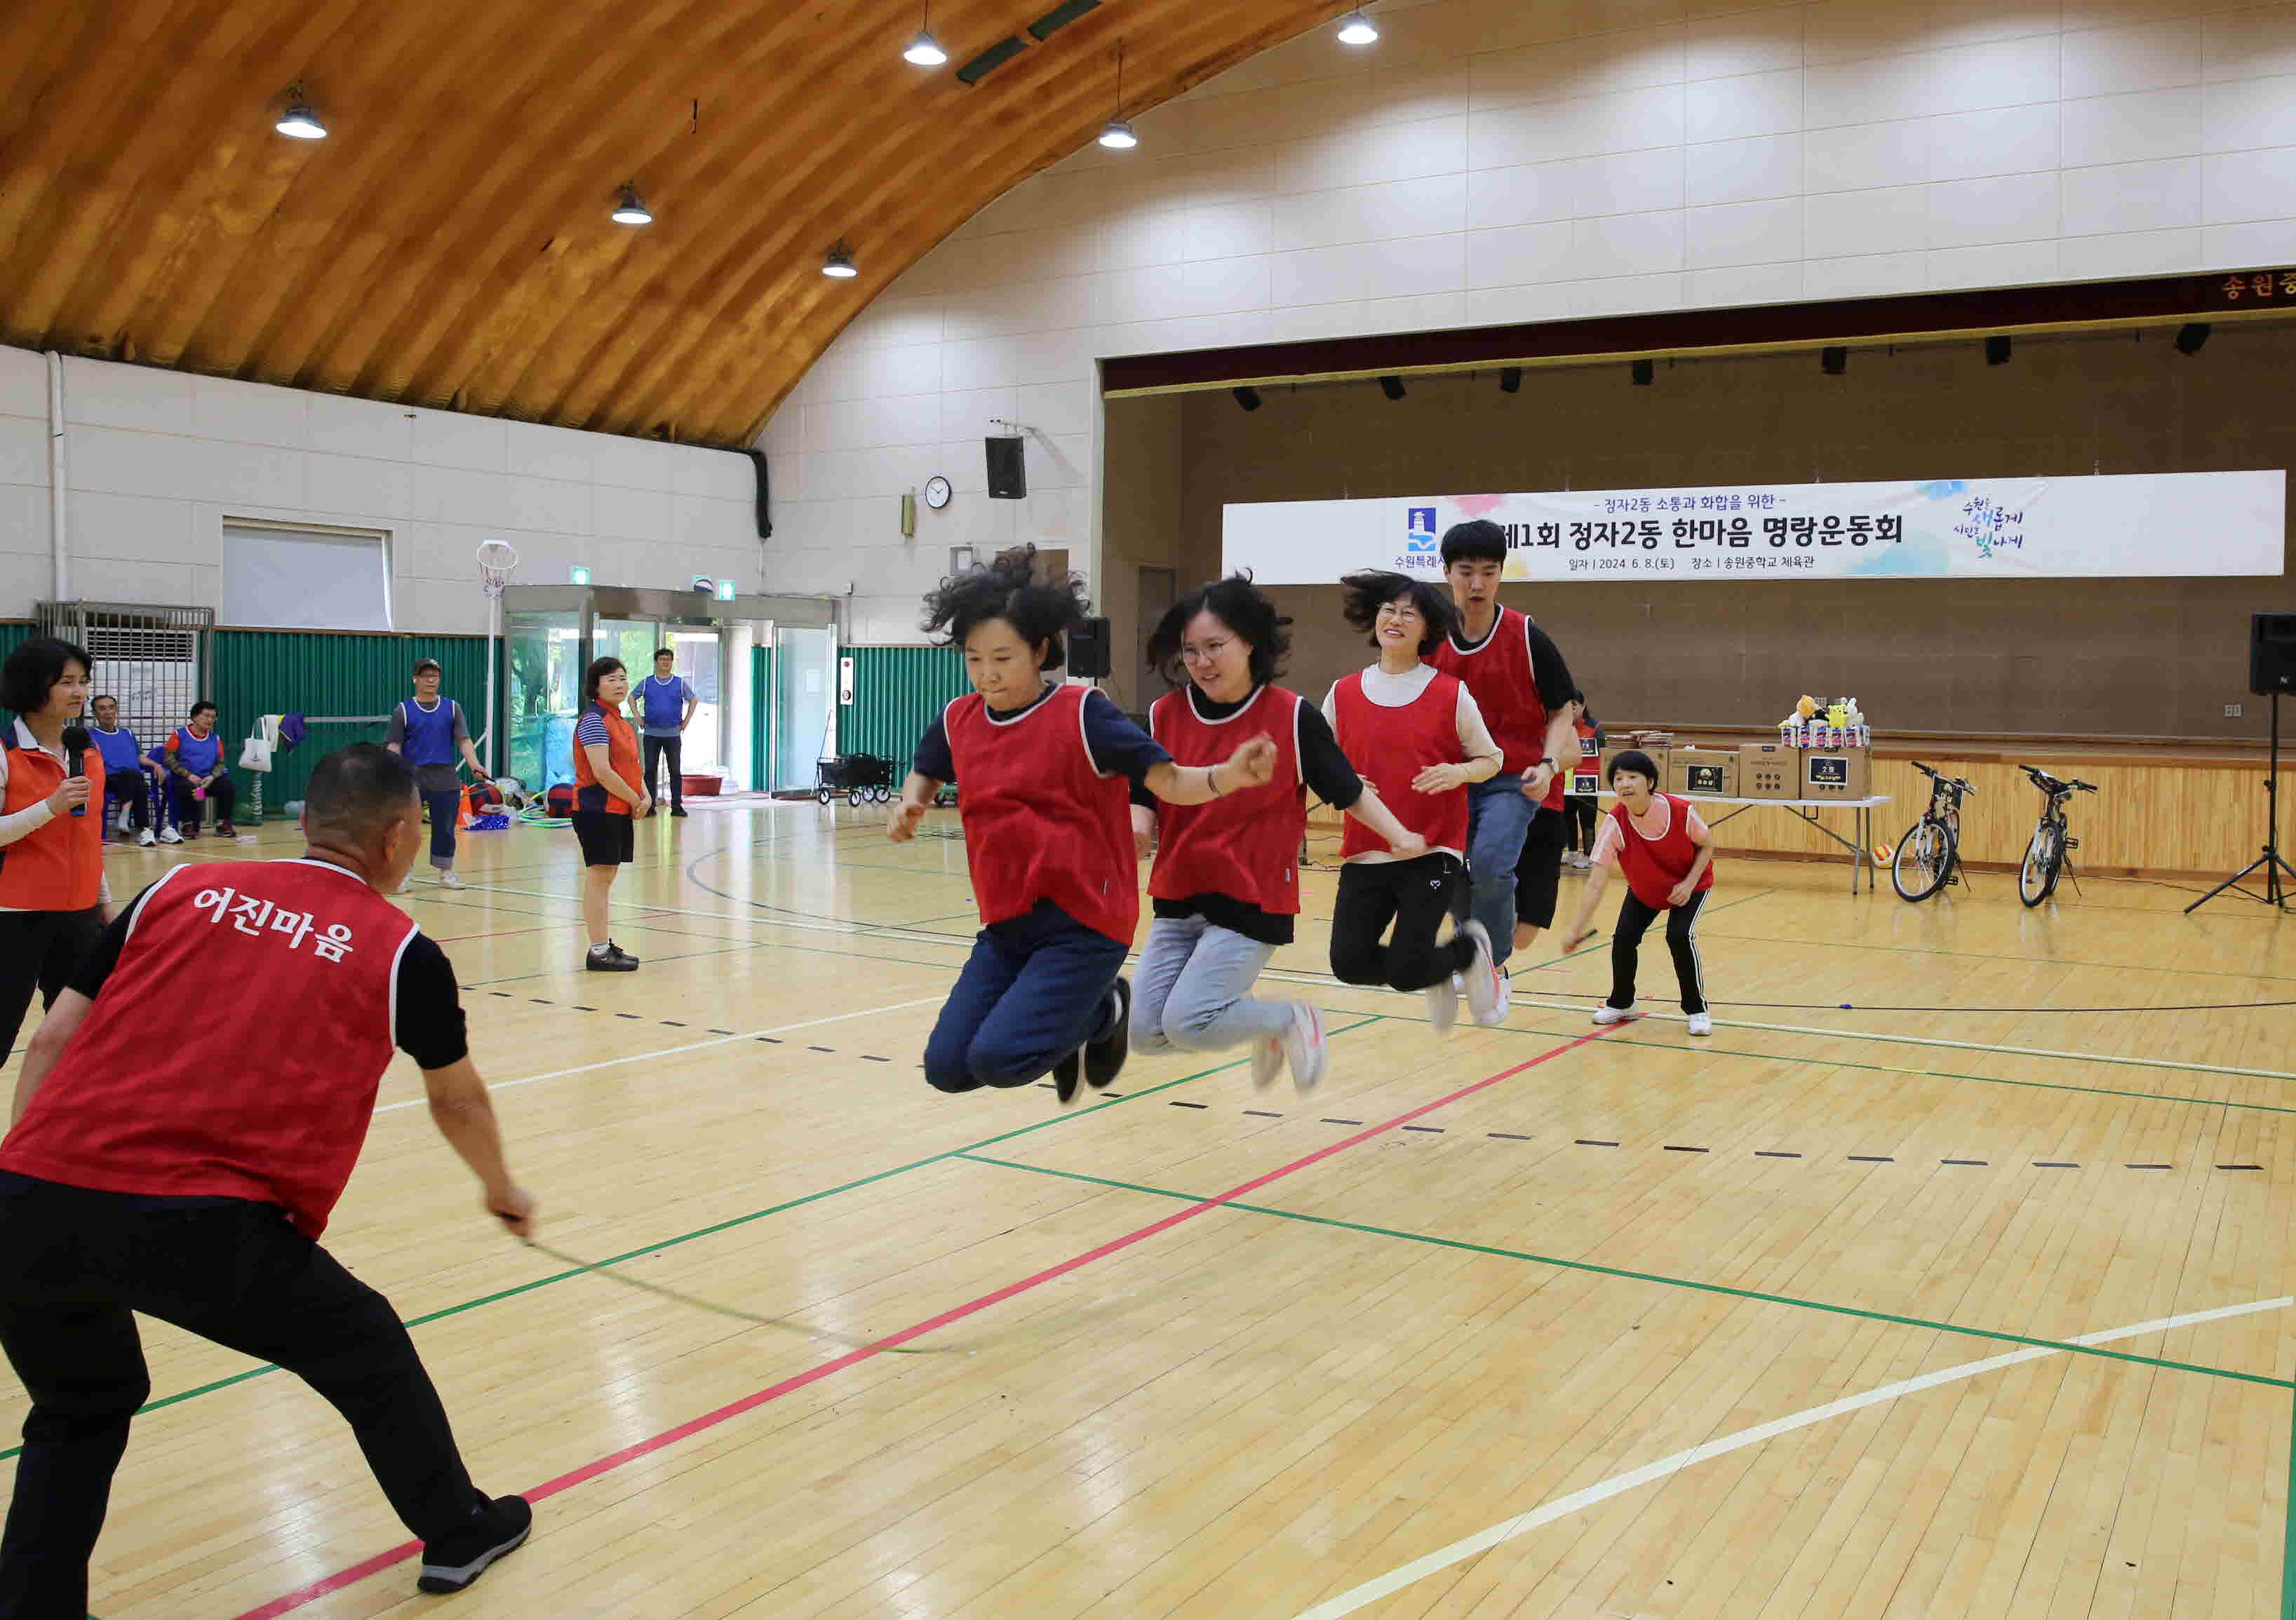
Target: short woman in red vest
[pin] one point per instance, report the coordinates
(53, 898)
(1667, 856)
(1225, 885)
(610, 798)
(1044, 772)
(1418, 740)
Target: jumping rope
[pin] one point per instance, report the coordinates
(821, 1334)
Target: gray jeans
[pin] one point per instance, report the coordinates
(1191, 992)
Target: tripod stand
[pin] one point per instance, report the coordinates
(2275, 893)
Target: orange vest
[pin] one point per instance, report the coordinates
(59, 867)
(621, 754)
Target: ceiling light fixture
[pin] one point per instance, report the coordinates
(1510, 378)
(1119, 136)
(924, 50)
(1643, 372)
(840, 262)
(1392, 386)
(300, 120)
(1834, 361)
(2191, 336)
(1358, 30)
(630, 209)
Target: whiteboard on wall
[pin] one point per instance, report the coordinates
(2116, 526)
(276, 574)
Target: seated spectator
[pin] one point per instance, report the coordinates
(196, 761)
(126, 776)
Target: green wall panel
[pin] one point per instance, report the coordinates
(897, 691)
(277, 672)
(14, 633)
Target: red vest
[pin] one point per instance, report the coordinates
(59, 867)
(265, 988)
(1499, 674)
(1040, 821)
(1653, 866)
(621, 754)
(1244, 844)
(1390, 747)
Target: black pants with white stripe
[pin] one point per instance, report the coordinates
(1634, 919)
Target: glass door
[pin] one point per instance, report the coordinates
(805, 700)
(543, 663)
(697, 650)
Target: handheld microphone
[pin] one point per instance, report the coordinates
(76, 742)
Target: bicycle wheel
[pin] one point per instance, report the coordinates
(2037, 874)
(1924, 860)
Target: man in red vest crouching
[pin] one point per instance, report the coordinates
(195, 1189)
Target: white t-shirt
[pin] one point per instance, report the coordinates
(1398, 691)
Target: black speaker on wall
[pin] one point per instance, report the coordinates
(1008, 477)
(2271, 653)
(1088, 649)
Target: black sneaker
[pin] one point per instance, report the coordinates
(678, 810)
(496, 1530)
(1103, 1058)
(613, 959)
(1064, 1077)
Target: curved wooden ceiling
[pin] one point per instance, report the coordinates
(449, 245)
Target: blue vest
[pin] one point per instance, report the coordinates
(665, 703)
(198, 757)
(430, 734)
(118, 747)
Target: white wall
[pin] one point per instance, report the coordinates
(1492, 161)
(159, 459)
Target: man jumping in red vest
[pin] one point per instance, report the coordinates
(195, 1190)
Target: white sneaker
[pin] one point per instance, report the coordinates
(143, 838)
(1701, 1023)
(1443, 1003)
(1267, 1063)
(451, 879)
(1305, 1048)
(407, 888)
(1481, 976)
(168, 835)
(1608, 1014)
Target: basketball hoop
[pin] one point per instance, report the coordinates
(497, 559)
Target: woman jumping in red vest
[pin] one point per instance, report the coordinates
(1419, 739)
(1225, 884)
(1667, 855)
(1042, 768)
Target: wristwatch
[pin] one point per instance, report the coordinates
(1550, 764)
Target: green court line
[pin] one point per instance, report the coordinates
(2288, 1533)
(1635, 1276)
(742, 1220)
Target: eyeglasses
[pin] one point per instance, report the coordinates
(1208, 652)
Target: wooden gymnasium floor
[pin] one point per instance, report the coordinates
(1837, 1313)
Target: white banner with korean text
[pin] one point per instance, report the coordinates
(2123, 525)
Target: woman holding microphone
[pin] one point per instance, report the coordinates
(54, 899)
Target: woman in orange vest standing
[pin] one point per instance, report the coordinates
(53, 900)
(608, 800)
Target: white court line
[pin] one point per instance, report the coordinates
(1295, 976)
(672, 1052)
(1371, 1591)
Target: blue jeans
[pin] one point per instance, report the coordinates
(1035, 989)
(1497, 817)
(1192, 990)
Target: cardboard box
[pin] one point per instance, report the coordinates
(1836, 773)
(1657, 757)
(1768, 770)
(1711, 772)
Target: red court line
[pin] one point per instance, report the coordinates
(381, 1561)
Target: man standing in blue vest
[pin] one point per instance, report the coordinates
(666, 703)
(428, 730)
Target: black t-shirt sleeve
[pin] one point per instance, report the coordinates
(1549, 672)
(1116, 746)
(1326, 771)
(103, 955)
(429, 1027)
(933, 758)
